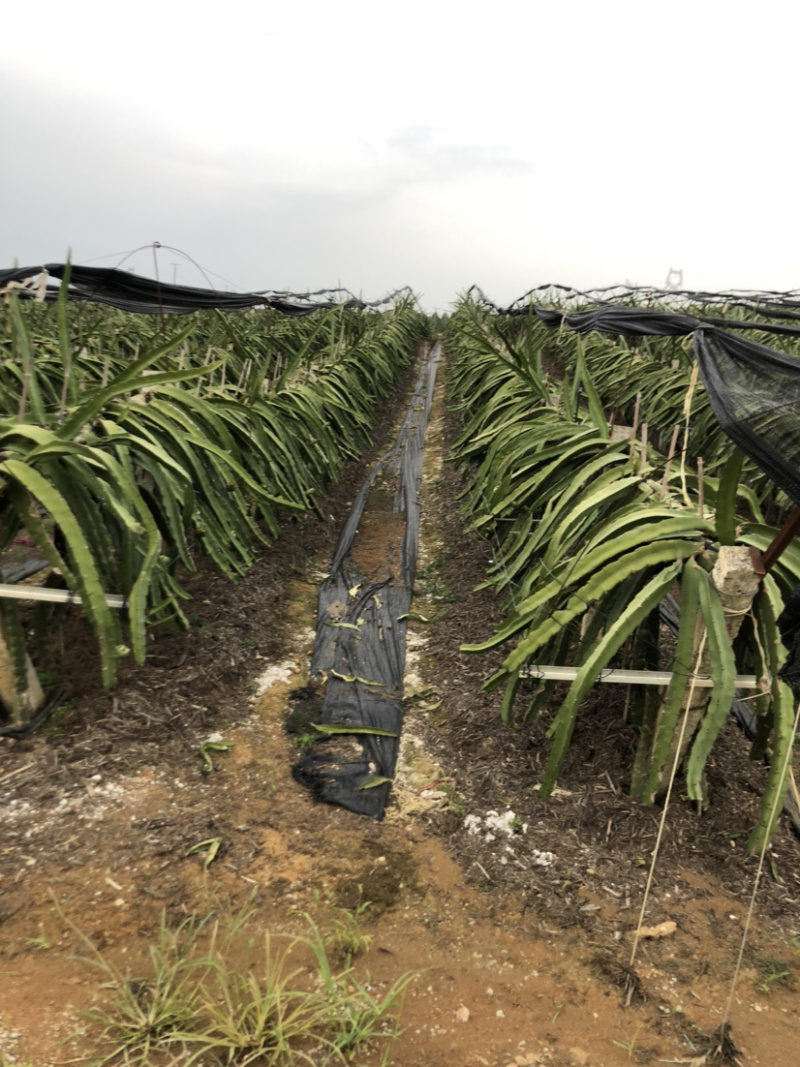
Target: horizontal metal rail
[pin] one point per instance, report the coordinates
(624, 677)
(55, 596)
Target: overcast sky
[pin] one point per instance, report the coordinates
(432, 143)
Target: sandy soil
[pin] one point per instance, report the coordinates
(524, 919)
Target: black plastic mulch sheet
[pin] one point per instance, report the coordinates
(360, 646)
(148, 296)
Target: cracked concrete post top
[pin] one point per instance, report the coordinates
(736, 581)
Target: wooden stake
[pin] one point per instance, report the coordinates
(635, 426)
(670, 457)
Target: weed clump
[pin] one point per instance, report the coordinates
(213, 991)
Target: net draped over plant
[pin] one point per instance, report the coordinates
(150, 296)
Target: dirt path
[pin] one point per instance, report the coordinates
(525, 922)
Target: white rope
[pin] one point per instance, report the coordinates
(778, 799)
(673, 772)
(743, 611)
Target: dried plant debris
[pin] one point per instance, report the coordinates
(722, 1048)
(623, 977)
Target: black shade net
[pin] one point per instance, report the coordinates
(360, 645)
(770, 302)
(789, 627)
(148, 296)
(753, 390)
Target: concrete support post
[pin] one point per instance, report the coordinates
(737, 585)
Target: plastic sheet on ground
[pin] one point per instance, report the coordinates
(360, 646)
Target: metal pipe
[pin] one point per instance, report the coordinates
(625, 677)
(55, 596)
